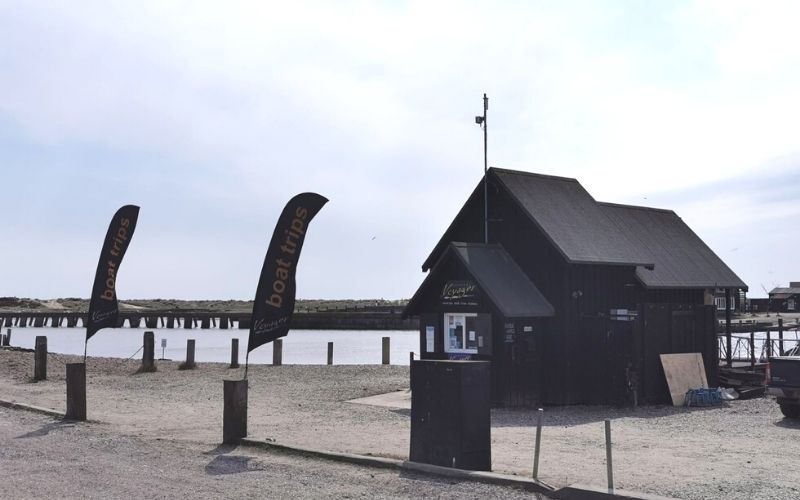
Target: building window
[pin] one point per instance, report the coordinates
(790, 304)
(460, 333)
(720, 302)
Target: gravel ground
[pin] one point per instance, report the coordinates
(743, 450)
(44, 458)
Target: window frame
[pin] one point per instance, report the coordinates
(464, 333)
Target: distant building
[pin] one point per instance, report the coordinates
(572, 300)
(785, 299)
(758, 305)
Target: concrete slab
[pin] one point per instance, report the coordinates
(397, 399)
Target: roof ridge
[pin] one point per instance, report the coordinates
(638, 207)
(475, 244)
(533, 174)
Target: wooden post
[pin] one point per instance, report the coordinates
(537, 447)
(277, 352)
(752, 347)
(234, 416)
(148, 353)
(385, 357)
(189, 364)
(234, 353)
(728, 357)
(410, 358)
(780, 336)
(7, 339)
(76, 391)
(40, 359)
(769, 345)
(609, 464)
(330, 353)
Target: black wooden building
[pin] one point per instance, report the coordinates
(572, 300)
(785, 299)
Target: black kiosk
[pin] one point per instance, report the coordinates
(476, 304)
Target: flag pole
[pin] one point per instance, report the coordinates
(481, 120)
(485, 172)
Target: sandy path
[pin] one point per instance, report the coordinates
(744, 450)
(43, 458)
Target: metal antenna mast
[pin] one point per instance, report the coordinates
(481, 120)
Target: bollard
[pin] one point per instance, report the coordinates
(148, 353)
(539, 416)
(277, 352)
(410, 358)
(40, 359)
(609, 465)
(189, 364)
(234, 353)
(76, 391)
(330, 353)
(385, 358)
(234, 415)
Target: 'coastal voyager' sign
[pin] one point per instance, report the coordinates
(274, 303)
(103, 309)
(463, 293)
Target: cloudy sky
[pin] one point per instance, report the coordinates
(211, 115)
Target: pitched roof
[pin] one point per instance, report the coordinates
(572, 219)
(498, 276)
(682, 259)
(665, 251)
(784, 291)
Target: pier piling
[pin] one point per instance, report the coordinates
(277, 352)
(148, 353)
(234, 353)
(385, 349)
(76, 391)
(234, 416)
(189, 364)
(40, 359)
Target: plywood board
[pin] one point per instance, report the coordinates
(683, 371)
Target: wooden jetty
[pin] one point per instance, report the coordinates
(362, 318)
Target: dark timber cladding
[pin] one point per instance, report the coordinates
(573, 300)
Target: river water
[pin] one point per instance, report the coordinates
(301, 347)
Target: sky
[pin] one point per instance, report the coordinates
(211, 115)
